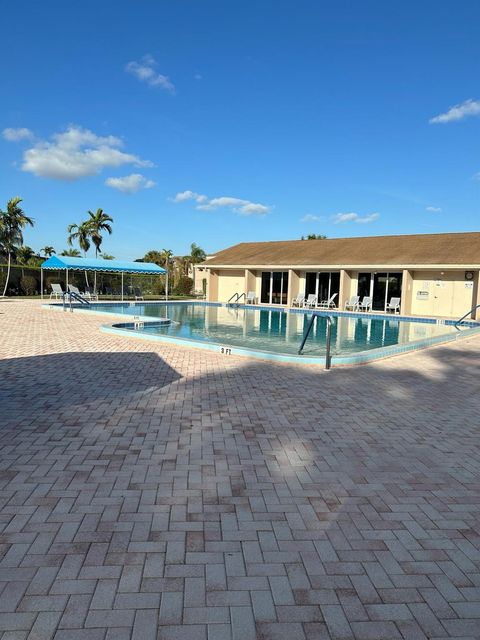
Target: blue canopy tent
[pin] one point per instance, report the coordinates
(67, 264)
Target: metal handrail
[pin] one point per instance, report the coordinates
(328, 337)
(235, 295)
(467, 314)
(238, 297)
(75, 296)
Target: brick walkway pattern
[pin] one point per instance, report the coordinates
(153, 492)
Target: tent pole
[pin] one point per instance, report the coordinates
(166, 288)
(122, 286)
(66, 281)
(41, 284)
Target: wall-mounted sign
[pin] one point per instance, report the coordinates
(422, 295)
(426, 284)
(468, 285)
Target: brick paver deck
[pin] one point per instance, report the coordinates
(153, 492)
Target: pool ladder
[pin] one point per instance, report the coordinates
(328, 337)
(235, 299)
(72, 295)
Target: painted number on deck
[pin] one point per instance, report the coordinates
(225, 351)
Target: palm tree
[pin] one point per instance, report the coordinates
(99, 221)
(166, 256)
(72, 253)
(197, 254)
(23, 254)
(80, 233)
(12, 223)
(48, 251)
(107, 256)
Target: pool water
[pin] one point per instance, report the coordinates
(273, 331)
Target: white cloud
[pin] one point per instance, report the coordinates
(14, 135)
(434, 209)
(239, 205)
(458, 112)
(189, 195)
(77, 153)
(145, 71)
(310, 218)
(130, 184)
(341, 218)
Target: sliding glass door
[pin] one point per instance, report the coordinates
(274, 288)
(381, 287)
(323, 284)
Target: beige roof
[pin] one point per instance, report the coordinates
(425, 249)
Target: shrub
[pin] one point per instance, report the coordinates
(184, 286)
(158, 287)
(28, 285)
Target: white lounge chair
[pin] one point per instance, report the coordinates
(311, 301)
(352, 304)
(365, 304)
(251, 298)
(299, 301)
(57, 291)
(393, 305)
(137, 292)
(73, 289)
(90, 294)
(328, 304)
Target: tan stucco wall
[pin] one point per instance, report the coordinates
(212, 285)
(294, 284)
(449, 295)
(230, 282)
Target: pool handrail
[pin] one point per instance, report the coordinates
(328, 339)
(237, 296)
(75, 296)
(467, 314)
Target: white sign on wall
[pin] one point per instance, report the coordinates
(422, 295)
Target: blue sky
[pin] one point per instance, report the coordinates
(218, 122)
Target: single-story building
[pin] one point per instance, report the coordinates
(432, 274)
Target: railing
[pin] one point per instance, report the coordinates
(467, 314)
(235, 298)
(328, 337)
(72, 295)
(235, 295)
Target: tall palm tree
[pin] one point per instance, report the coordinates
(72, 253)
(80, 233)
(48, 251)
(166, 256)
(12, 223)
(166, 261)
(197, 254)
(98, 222)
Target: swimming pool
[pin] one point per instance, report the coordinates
(277, 333)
